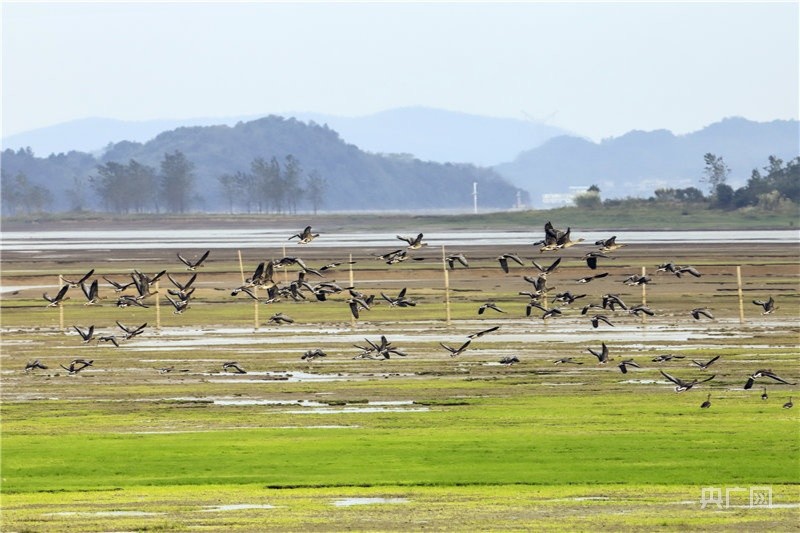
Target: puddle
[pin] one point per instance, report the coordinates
(346, 502)
(295, 403)
(642, 381)
(236, 507)
(344, 410)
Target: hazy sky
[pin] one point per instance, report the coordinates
(596, 68)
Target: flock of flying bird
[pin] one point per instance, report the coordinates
(538, 293)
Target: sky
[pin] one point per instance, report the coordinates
(598, 69)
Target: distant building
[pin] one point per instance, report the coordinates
(561, 199)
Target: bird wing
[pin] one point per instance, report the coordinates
(676, 381)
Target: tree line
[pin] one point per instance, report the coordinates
(133, 187)
(775, 185)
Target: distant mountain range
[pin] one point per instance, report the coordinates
(638, 163)
(425, 133)
(388, 158)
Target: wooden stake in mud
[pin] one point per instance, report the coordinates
(241, 265)
(255, 309)
(352, 318)
(446, 287)
(644, 288)
(285, 270)
(741, 297)
(60, 305)
(158, 310)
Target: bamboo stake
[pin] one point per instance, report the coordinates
(446, 287)
(741, 297)
(241, 266)
(285, 269)
(158, 310)
(255, 309)
(644, 288)
(350, 265)
(60, 305)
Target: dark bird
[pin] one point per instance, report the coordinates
(764, 394)
(58, 298)
(118, 287)
(567, 297)
(687, 270)
(33, 365)
(668, 357)
(455, 351)
(77, 365)
(591, 259)
(489, 305)
(509, 360)
(193, 265)
(596, 319)
(768, 306)
(764, 373)
(414, 243)
(587, 279)
(789, 404)
(126, 301)
(305, 236)
(233, 365)
(667, 267)
(588, 307)
(701, 311)
(611, 301)
(398, 256)
(636, 279)
(567, 360)
(109, 338)
(609, 245)
(90, 292)
(539, 284)
(602, 355)
(639, 309)
(705, 365)
(681, 385)
(623, 366)
(483, 332)
(545, 270)
(706, 404)
(555, 311)
(79, 281)
(179, 305)
(310, 355)
(280, 318)
(452, 259)
(400, 300)
(184, 286)
(503, 260)
(131, 332)
(85, 335)
(357, 304)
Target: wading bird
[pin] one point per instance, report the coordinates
(789, 404)
(706, 404)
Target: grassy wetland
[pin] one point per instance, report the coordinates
(421, 441)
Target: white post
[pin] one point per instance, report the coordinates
(475, 197)
(446, 287)
(60, 305)
(741, 297)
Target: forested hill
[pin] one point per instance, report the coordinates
(354, 179)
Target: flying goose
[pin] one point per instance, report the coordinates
(503, 260)
(564, 241)
(127, 300)
(91, 293)
(310, 355)
(706, 404)
(181, 294)
(489, 305)
(548, 269)
(637, 309)
(539, 283)
(602, 355)
(764, 373)
(701, 311)
(623, 366)
(280, 318)
(681, 385)
(131, 332)
(180, 305)
(509, 360)
(32, 365)
(305, 236)
(688, 270)
(452, 259)
(705, 365)
(483, 332)
(610, 301)
(58, 298)
(75, 283)
(400, 300)
(596, 319)
(667, 357)
(193, 265)
(591, 259)
(567, 360)
(567, 297)
(414, 243)
(768, 306)
(184, 286)
(233, 365)
(85, 335)
(609, 245)
(357, 304)
(77, 365)
(455, 351)
(109, 338)
(587, 279)
(635, 279)
(118, 287)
